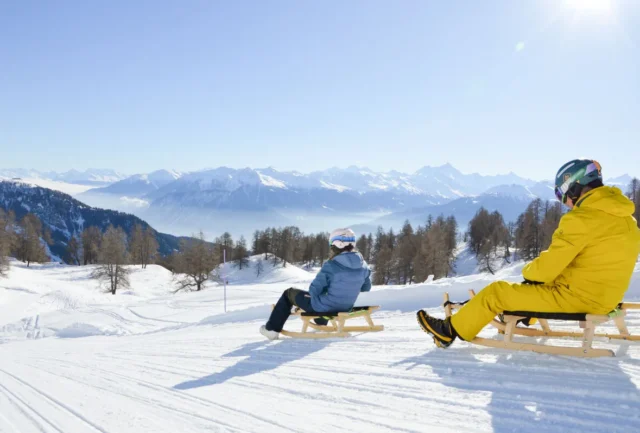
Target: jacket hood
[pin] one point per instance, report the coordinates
(608, 199)
(350, 260)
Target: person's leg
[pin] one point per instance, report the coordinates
(496, 298)
(282, 310)
(503, 296)
(302, 299)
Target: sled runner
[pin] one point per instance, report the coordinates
(336, 326)
(509, 327)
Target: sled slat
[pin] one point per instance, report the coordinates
(338, 326)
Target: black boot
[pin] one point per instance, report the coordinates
(441, 330)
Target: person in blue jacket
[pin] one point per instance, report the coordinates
(335, 288)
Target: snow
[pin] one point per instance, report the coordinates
(133, 201)
(74, 359)
(67, 188)
(466, 262)
(270, 181)
(339, 188)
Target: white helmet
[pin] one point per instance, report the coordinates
(342, 238)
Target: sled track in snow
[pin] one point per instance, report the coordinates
(139, 368)
(56, 404)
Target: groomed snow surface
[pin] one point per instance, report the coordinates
(74, 359)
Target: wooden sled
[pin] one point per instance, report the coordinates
(545, 330)
(336, 326)
(509, 328)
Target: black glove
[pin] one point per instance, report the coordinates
(531, 282)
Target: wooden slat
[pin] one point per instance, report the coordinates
(338, 327)
(554, 350)
(315, 334)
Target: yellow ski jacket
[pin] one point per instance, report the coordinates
(593, 251)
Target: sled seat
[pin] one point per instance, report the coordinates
(336, 313)
(580, 317)
(336, 323)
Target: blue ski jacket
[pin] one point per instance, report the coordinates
(339, 282)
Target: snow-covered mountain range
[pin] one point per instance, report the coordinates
(243, 200)
(92, 176)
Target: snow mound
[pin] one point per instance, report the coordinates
(466, 262)
(79, 330)
(269, 274)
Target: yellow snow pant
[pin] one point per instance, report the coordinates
(503, 296)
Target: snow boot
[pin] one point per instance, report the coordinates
(320, 321)
(441, 330)
(271, 335)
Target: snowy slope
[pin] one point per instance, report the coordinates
(149, 361)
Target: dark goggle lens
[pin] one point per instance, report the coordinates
(558, 194)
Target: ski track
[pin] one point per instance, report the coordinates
(179, 364)
(399, 388)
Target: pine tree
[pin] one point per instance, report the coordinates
(379, 242)
(73, 251)
(91, 238)
(265, 243)
(362, 245)
(321, 247)
(240, 254)
(255, 243)
(487, 234)
(535, 227)
(405, 252)
(225, 245)
(384, 266)
(549, 224)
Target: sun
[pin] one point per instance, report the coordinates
(591, 6)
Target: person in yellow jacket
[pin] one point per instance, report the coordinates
(587, 268)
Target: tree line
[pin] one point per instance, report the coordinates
(490, 238)
(25, 239)
(409, 256)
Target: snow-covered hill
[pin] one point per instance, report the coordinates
(73, 359)
(72, 182)
(65, 216)
(138, 184)
(90, 177)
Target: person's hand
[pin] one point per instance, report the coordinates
(531, 282)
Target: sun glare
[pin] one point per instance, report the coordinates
(590, 6)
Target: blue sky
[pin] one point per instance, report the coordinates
(491, 86)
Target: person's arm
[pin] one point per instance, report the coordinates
(568, 240)
(367, 282)
(321, 281)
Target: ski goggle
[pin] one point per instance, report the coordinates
(561, 191)
(341, 238)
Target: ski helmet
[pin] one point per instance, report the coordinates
(574, 176)
(342, 238)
